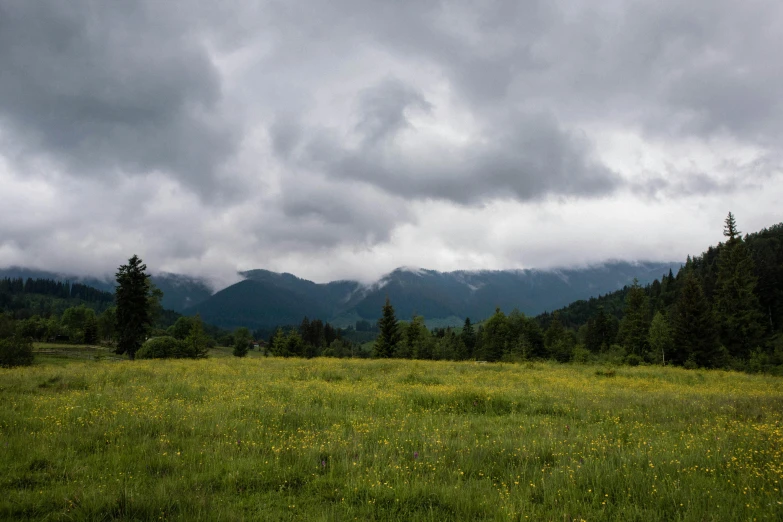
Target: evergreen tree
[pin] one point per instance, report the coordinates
(294, 344)
(554, 333)
(241, 341)
(599, 336)
(134, 313)
(533, 339)
(736, 304)
(559, 343)
(468, 337)
(389, 334)
(277, 345)
(634, 328)
(693, 327)
(495, 336)
(197, 342)
(660, 338)
(417, 339)
(91, 329)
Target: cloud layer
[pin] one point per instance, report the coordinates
(348, 138)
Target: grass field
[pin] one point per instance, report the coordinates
(326, 439)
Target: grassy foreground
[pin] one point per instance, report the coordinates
(326, 439)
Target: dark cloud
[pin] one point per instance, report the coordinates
(112, 87)
(520, 156)
(238, 133)
(383, 107)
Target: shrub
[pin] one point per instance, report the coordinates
(16, 351)
(163, 347)
(759, 361)
(581, 354)
(614, 355)
(633, 360)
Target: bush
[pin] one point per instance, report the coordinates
(16, 351)
(759, 361)
(633, 360)
(163, 347)
(614, 355)
(167, 347)
(581, 354)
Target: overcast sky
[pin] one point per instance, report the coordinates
(343, 139)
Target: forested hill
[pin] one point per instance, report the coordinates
(265, 299)
(725, 303)
(22, 298)
(179, 291)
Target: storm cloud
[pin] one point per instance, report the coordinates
(332, 139)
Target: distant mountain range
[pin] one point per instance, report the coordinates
(266, 299)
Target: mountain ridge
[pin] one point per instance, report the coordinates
(441, 297)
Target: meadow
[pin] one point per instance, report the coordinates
(90, 438)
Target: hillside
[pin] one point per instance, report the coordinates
(266, 299)
(179, 291)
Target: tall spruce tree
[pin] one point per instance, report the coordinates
(599, 335)
(468, 337)
(635, 325)
(132, 298)
(389, 335)
(693, 327)
(736, 305)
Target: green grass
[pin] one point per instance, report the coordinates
(273, 439)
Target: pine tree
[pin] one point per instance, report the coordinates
(277, 345)
(389, 335)
(554, 333)
(495, 335)
(91, 330)
(736, 304)
(196, 340)
(634, 327)
(132, 298)
(241, 341)
(693, 327)
(599, 332)
(559, 343)
(468, 337)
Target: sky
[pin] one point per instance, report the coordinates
(343, 139)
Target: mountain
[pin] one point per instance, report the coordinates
(256, 304)
(266, 299)
(179, 291)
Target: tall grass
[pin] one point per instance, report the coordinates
(327, 439)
